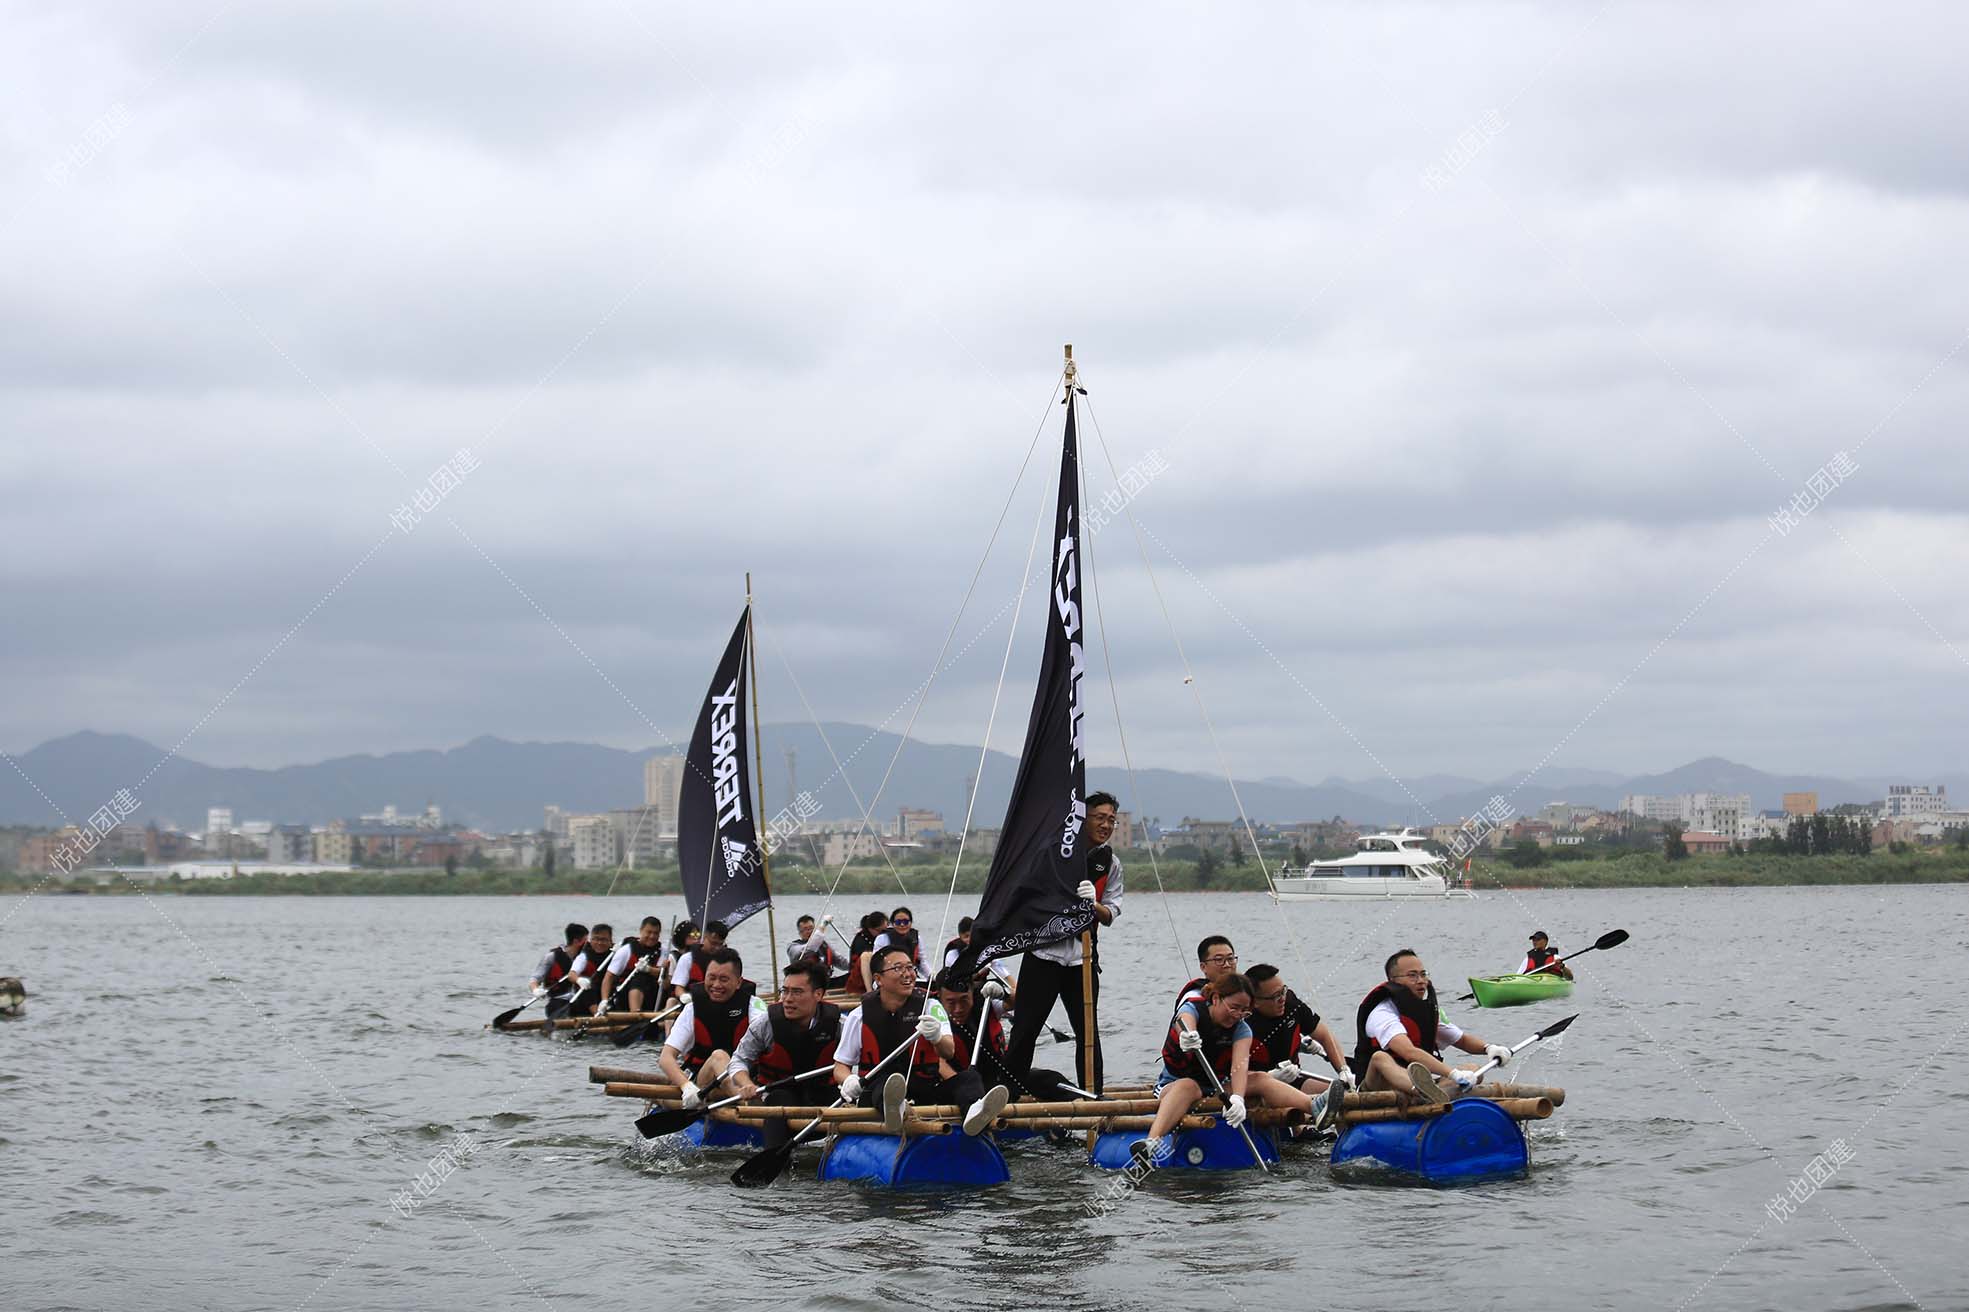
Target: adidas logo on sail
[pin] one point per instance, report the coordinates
(737, 855)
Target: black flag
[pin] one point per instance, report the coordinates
(1029, 897)
(717, 839)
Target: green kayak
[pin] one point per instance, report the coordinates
(1517, 990)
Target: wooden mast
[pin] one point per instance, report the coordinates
(759, 773)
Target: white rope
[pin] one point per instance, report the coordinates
(936, 666)
(1004, 664)
(1121, 734)
(1196, 690)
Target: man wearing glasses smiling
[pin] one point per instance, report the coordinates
(1399, 1035)
(1217, 958)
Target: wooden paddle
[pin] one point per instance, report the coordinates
(761, 1169)
(1516, 1048)
(668, 1121)
(1613, 938)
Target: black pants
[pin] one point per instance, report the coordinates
(962, 1089)
(1041, 984)
(777, 1131)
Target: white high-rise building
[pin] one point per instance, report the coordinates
(1910, 801)
(663, 784)
(594, 841)
(218, 820)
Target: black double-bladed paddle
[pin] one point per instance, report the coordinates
(669, 1121)
(1613, 938)
(761, 1169)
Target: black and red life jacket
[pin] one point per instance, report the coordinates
(1218, 1043)
(911, 943)
(967, 1035)
(1537, 957)
(1275, 1041)
(1419, 1018)
(882, 1032)
(700, 957)
(863, 942)
(1196, 988)
(798, 1045)
(717, 1026)
(637, 954)
(557, 969)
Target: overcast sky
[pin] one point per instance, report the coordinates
(1481, 344)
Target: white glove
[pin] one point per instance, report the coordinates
(1344, 1077)
(827, 920)
(1190, 1041)
(580, 982)
(1234, 1114)
(927, 1029)
(692, 1098)
(851, 1089)
(1086, 890)
(601, 1011)
(993, 991)
(1464, 1079)
(1288, 1072)
(539, 990)
(1497, 1052)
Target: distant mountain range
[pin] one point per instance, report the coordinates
(495, 785)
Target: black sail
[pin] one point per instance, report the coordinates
(1029, 897)
(717, 837)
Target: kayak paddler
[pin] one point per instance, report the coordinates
(1542, 954)
(1399, 1035)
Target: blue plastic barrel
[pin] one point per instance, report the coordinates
(1219, 1148)
(1475, 1139)
(940, 1161)
(712, 1133)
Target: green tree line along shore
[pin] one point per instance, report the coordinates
(1514, 868)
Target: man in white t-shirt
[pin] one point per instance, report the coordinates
(1400, 1035)
(892, 1015)
(716, 1016)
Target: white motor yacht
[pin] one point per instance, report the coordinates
(1387, 865)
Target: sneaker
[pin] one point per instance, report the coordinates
(1145, 1153)
(1425, 1084)
(1326, 1108)
(986, 1109)
(894, 1104)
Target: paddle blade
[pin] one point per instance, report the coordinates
(499, 1022)
(666, 1121)
(1557, 1027)
(1613, 938)
(629, 1034)
(761, 1169)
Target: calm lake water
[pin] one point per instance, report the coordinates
(212, 1101)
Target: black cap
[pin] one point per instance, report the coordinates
(1539, 933)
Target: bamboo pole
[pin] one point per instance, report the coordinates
(760, 831)
(624, 1075)
(1519, 1109)
(1087, 1036)
(1493, 1092)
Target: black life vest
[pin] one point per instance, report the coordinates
(955, 946)
(967, 1035)
(637, 954)
(824, 954)
(1537, 957)
(798, 1045)
(1419, 1018)
(1218, 1043)
(557, 969)
(1275, 1041)
(911, 943)
(717, 1026)
(700, 958)
(882, 1032)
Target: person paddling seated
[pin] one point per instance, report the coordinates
(1399, 1036)
(1216, 958)
(892, 1015)
(589, 964)
(1544, 954)
(555, 974)
(691, 964)
(720, 1012)
(858, 949)
(626, 987)
(1283, 1026)
(982, 1000)
(1217, 1030)
(813, 945)
(800, 1034)
(901, 933)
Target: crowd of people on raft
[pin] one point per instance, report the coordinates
(909, 1031)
